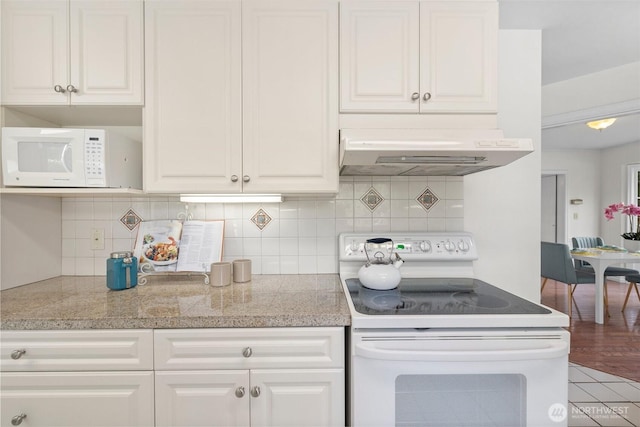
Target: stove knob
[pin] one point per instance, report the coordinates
(463, 246)
(449, 246)
(425, 246)
(354, 246)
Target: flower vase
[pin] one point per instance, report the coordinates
(632, 245)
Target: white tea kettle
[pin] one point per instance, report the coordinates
(382, 272)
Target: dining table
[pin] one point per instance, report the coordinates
(600, 259)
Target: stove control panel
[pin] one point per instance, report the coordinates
(436, 246)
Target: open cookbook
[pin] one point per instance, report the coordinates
(172, 245)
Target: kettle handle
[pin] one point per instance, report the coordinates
(379, 240)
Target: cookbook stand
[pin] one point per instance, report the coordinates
(147, 270)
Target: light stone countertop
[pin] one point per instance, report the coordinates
(85, 302)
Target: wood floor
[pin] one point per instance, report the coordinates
(612, 347)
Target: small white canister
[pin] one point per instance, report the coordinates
(242, 270)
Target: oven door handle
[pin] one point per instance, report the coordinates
(551, 351)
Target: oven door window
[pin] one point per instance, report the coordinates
(461, 400)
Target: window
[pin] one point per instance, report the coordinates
(634, 184)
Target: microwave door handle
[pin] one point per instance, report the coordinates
(62, 156)
(551, 351)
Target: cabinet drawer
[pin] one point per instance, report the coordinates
(87, 350)
(249, 348)
(68, 399)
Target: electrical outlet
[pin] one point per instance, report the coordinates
(97, 238)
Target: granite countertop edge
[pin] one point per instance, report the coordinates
(84, 302)
(226, 322)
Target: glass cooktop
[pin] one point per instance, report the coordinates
(427, 296)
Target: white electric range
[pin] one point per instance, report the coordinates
(447, 349)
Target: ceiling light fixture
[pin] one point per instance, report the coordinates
(601, 124)
(231, 198)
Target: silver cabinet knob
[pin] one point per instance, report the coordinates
(72, 89)
(17, 420)
(426, 96)
(247, 352)
(234, 178)
(17, 354)
(246, 178)
(59, 89)
(255, 391)
(415, 96)
(240, 392)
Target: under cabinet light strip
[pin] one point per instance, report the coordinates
(231, 198)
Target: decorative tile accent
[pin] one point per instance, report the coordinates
(261, 219)
(372, 199)
(427, 199)
(130, 219)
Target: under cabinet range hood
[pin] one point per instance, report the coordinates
(422, 152)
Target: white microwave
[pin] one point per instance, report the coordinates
(62, 157)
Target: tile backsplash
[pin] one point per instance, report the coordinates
(298, 236)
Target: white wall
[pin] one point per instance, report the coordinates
(599, 177)
(582, 171)
(617, 85)
(31, 237)
(502, 206)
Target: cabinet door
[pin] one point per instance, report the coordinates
(290, 82)
(106, 51)
(458, 56)
(297, 397)
(34, 51)
(379, 56)
(192, 114)
(202, 398)
(68, 399)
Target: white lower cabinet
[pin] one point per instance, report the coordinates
(67, 399)
(237, 377)
(297, 397)
(263, 397)
(202, 398)
(203, 377)
(77, 378)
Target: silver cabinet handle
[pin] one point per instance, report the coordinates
(17, 420)
(415, 96)
(17, 354)
(246, 178)
(234, 178)
(247, 352)
(240, 392)
(72, 89)
(426, 96)
(255, 391)
(59, 89)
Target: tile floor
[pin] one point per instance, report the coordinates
(600, 399)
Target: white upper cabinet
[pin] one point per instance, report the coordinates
(379, 56)
(35, 56)
(290, 83)
(78, 52)
(193, 111)
(241, 96)
(418, 57)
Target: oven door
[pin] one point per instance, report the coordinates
(459, 378)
